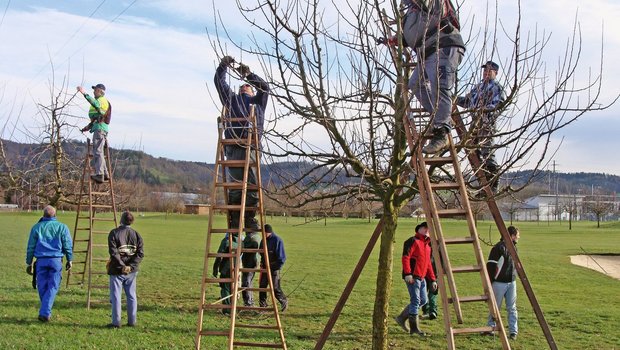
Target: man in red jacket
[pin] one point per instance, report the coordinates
(416, 268)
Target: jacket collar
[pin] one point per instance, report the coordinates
(422, 237)
(42, 219)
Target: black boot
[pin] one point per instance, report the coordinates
(439, 141)
(402, 319)
(413, 326)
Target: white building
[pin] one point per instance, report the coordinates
(550, 207)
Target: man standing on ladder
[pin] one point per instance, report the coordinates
(483, 101)
(417, 268)
(431, 28)
(503, 274)
(239, 106)
(99, 114)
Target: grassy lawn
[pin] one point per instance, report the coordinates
(582, 306)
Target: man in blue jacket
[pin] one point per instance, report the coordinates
(49, 241)
(239, 106)
(277, 257)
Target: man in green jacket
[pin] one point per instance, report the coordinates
(99, 108)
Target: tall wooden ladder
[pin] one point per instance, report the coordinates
(95, 218)
(435, 211)
(245, 329)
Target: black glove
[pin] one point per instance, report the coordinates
(243, 70)
(29, 270)
(227, 60)
(69, 265)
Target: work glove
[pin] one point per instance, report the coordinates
(434, 286)
(126, 270)
(227, 60)
(69, 265)
(29, 270)
(409, 279)
(243, 70)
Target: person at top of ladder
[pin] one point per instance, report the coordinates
(417, 268)
(99, 114)
(503, 274)
(483, 101)
(239, 106)
(431, 28)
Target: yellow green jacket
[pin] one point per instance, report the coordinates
(98, 108)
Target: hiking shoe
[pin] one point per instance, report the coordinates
(112, 325)
(44, 318)
(438, 143)
(284, 305)
(131, 324)
(512, 336)
(432, 316)
(97, 178)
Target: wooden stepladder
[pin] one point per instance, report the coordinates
(93, 223)
(434, 212)
(243, 330)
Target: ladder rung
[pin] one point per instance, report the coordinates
(240, 120)
(76, 283)
(101, 206)
(101, 232)
(215, 333)
(236, 163)
(243, 142)
(219, 280)
(458, 240)
(78, 262)
(80, 251)
(256, 326)
(82, 228)
(445, 186)
(83, 217)
(236, 185)
(256, 269)
(472, 330)
(470, 299)
(258, 345)
(256, 289)
(446, 213)
(437, 160)
(239, 307)
(221, 255)
(468, 268)
(101, 193)
(232, 207)
(103, 219)
(77, 273)
(80, 240)
(224, 230)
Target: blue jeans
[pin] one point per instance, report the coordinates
(432, 81)
(49, 275)
(417, 295)
(128, 284)
(507, 291)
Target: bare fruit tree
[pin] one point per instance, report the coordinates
(341, 99)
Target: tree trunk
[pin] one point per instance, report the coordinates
(384, 281)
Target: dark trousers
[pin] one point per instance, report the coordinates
(277, 289)
(235, 152)
(246, 282)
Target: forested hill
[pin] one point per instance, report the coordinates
(190, 176)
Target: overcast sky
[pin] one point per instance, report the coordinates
(155, 59)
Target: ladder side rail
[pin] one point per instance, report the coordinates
(256, 145)
(90, 236)
(484, 276)
(111, 181)
(499, 221)
(77, 216)
(241, 224)
(214, 191)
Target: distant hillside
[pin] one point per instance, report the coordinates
(197, 176)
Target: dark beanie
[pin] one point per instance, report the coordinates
(424, 224)
(268, 228)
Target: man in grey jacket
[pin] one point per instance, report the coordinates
(126, 253)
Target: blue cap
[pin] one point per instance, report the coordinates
(491, 65)
(99, 86)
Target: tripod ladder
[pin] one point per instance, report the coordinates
(244, 326)
(92, 226)
(431, 202)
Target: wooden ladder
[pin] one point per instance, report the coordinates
(250, 324)
(434, 213)
(90, 235)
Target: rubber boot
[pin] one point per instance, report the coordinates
(402, 319)
(413, 326)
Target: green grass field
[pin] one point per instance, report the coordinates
(582, 306)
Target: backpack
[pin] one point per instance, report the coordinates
(107, 117)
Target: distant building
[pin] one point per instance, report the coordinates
(549, 207)
(197, 209)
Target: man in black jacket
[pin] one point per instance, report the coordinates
(126, 253)
(239, 106)
(502, 274)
